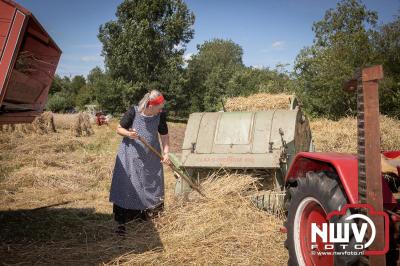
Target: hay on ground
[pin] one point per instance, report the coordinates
(259, 102)
(341, 135)
(223, 229)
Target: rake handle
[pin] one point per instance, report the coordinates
(173, 167)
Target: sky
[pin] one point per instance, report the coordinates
(270, 32)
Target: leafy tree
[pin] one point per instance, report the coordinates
(85, 95)
(61, 97)
(141, 45)
(77, 83)
(249, 80)
(59, 102)
(107, 92)
(173, 85)
(387, 43)
(209, 72)
(57, 85)
(60, 84)
(343, 43)
(216, 88)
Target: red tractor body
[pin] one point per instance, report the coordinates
(343, 209)
(346, 167)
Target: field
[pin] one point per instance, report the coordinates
(54, 205)
(55, 210)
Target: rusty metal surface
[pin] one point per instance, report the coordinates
(369, 176)
(17, 118)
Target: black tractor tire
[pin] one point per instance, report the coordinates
(325, 188)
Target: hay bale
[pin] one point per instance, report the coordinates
(39, 125)
(259, 102)
(42, 124)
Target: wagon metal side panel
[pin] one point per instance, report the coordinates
(28, 61)
(12, 24)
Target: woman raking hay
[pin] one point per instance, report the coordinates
(137, 186)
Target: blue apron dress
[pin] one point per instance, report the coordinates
(138, 176)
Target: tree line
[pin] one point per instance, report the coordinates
(144, 49)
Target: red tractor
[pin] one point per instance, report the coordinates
(101, 119)
(341, 208)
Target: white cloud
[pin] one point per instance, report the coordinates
(91, 58)
(278, 45)
(187, 56)
(258, 67)
(178, 47)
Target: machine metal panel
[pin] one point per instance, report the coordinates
(234, 128)
(192, 130)
(285, 120)
(262, 128)
(205, 138)
(233, 133)
(243, 139)
(251, 161)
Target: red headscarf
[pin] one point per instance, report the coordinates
(156, 101)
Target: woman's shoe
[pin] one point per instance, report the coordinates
(121, 230)
(154, 212)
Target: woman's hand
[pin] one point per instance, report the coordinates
(132, 134)
(166, 159)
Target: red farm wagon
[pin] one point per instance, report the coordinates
(28, 61)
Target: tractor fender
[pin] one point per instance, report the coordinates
(344, 164)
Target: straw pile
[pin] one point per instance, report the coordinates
(341, 135)
(79, 124)
(258, 102)
(223, 229)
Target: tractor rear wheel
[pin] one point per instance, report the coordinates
(316, 195)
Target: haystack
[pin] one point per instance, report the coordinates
(259, 102)
(82, 125)
(42, 124)
(79, 124)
